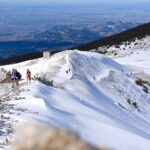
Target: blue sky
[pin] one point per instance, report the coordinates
(90, 3)
(72, 1)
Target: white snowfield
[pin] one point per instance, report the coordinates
(130, 48)
(91, 94)
(135, 55)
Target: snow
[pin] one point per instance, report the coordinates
(89, 96)
(138, 61)
(132, 54)
(126, 49)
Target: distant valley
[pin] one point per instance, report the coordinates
(57, 37)
(27, 29)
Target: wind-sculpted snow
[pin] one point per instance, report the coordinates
(91, 94)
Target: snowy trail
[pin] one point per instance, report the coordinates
(6, 113)
(10, 115)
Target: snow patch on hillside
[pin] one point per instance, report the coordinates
(126, 48)
(133, 54)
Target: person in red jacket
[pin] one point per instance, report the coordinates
(28, 75)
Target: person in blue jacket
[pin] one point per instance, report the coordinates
(13, 77)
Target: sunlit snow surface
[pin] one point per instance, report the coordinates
(89, 96)
(135, 55)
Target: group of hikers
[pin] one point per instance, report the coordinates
(16, 77)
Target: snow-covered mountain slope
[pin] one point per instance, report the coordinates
(91, 94)
(138, 62)
(129, 48)
(135, 54)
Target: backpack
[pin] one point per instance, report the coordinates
(18, 75)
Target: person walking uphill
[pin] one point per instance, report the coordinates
(28, 75)
(18, 77)
(13, 78)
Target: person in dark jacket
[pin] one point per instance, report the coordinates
(15, 77)
(18, 77)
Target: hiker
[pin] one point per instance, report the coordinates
(18, 77)
(13, 77)
(28, 75)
